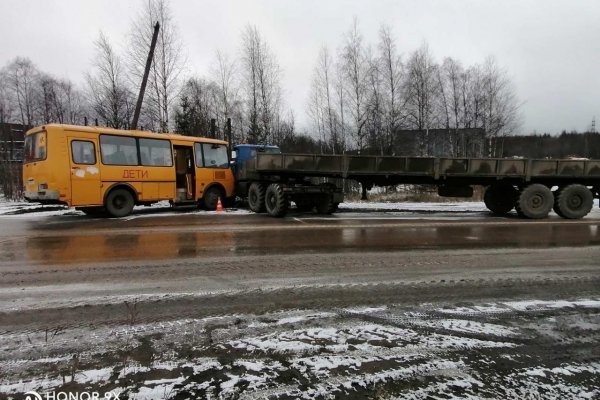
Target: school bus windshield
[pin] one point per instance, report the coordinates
(210, 155)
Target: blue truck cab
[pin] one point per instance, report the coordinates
(243, 152)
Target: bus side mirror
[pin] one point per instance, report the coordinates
(233, 154)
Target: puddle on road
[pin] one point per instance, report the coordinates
(173, 245)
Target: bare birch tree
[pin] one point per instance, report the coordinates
(109, 97)
(340, 105)
(261, 82)
(501, 106)
(22, 78)
(6, 103)
(167, 67)
(453, 83)
(315, 109)
(375, 105)
(355, 68)
(392, 71)
(421, 91)
(224, 75)
(322, 102)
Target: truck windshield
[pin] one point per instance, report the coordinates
(35, 147)
(272, 150)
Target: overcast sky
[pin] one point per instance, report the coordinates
(550, 48)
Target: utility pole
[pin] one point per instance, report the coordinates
(229, 133)
(138, 105)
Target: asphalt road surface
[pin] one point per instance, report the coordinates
(356, 305)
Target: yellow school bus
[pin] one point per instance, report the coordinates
(103, 170)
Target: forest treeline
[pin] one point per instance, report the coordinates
(361, 94)
(367, 98)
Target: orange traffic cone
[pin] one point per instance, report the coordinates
(219, 205)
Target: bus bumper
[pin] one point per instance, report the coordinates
(43, 196)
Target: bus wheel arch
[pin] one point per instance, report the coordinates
(120, 200)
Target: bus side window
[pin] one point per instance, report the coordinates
(118, 150)
(83, 152)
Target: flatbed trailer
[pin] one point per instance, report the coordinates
(271, 181)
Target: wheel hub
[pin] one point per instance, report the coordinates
(536, 201)
(575, 201)
(118, 202)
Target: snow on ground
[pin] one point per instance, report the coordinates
(411, 352)
(529, 305)
(163, 208)
(467, 326)
(16, 209)
(467, 206)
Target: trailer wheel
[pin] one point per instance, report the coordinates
(574, 201)
(500, 199)
(119, 203)
(335, 207)
(256, 197)
(325, 205)
(276, 202)
(535, 201)
(556, 208)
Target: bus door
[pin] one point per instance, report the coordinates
(85, 172)
(185, 173)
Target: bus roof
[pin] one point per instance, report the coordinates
(136, 133)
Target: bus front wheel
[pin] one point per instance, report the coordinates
(119, 203)
(211, 198)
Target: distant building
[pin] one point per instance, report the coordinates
(12, 138)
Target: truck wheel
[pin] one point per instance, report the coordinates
(574, 201)
(500, 199)
(325, 205)
(276, 201)
(119, 203)
(256, 197)
(211, 198)
(556, 208)
(535, 201)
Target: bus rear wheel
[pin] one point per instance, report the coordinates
(119, 203)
